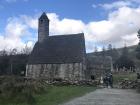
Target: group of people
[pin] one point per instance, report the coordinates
(107, 80)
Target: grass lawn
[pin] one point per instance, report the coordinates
(119, 77)
(59, 94)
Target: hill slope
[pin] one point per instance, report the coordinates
(117, 53)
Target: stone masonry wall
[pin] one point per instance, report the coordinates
(72, 71)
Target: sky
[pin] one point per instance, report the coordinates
(103, 22)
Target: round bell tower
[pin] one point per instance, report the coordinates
(43, 27)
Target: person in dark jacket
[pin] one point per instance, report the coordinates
(105, 80)
(111, 80)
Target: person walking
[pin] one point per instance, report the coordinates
(111, 80)
(108, 81)
(105, 79)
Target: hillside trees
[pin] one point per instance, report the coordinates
(13, 62)
(138, 55)
(124, 61)
(112, 52)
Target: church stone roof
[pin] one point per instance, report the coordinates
(59, 49)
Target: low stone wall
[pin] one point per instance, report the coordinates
(62, 82)
(72, 71)
(129, 84)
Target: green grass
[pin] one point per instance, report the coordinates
(59, 94)
(119, 77)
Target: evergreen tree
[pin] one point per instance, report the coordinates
(124, 60)
(138, 47)
(109, 47)
(139, 35)
(125, 52)
(4, 63)
(95, 50)
(103, 51)
(109, 50)
(115, 54)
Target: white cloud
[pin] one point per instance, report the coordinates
(7, 43)
(120, 23)
(116, 4)
(31, 22)
(65, 26)
(120, 27)
(16, 31)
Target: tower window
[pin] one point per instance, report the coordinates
(41, 20)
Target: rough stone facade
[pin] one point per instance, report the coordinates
(70, 72)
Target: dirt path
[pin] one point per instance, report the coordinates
(108, 97)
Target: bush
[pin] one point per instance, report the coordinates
(20, 90)
(139, 86)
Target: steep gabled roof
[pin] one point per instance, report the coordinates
(59, 49)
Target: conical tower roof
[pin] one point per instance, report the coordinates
(44, 16)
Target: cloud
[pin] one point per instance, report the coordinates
(18, 33)
(120, 27)
(116, 5)
(64, 26)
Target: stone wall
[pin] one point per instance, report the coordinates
(98, 65)
(74, 71)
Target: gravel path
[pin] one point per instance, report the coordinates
(108, 97)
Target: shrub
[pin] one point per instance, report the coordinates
(139, 86)
(20, 90)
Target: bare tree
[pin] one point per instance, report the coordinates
(103, 51)
(26, 50)
(13, 51)
(95, 49)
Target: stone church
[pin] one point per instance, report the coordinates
(57, 56)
